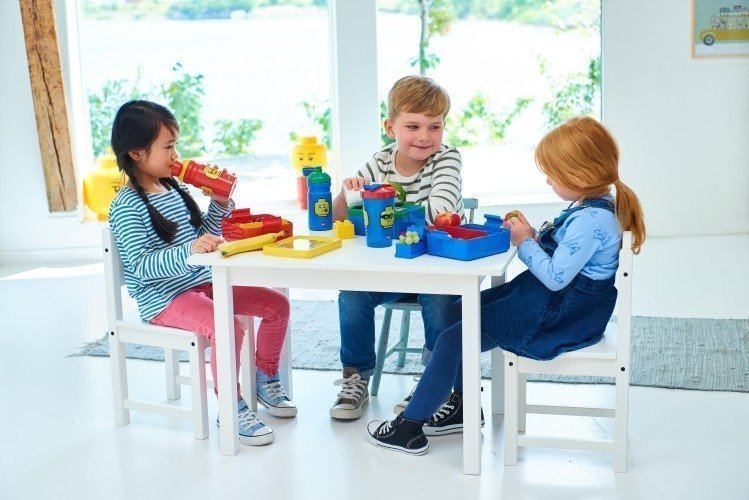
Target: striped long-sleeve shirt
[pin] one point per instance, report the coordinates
(156, 271)
(437, 185)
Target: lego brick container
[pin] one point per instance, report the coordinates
(413, 250)
(242, 224)
(468, 241)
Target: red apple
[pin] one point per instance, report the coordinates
(446, 219)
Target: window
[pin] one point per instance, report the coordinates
(513, 69)
(241, 76)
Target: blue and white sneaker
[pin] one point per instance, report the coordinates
(271, 394)
(252, 431)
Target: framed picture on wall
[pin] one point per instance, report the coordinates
(720, 28)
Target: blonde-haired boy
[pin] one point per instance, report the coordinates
(430, 173)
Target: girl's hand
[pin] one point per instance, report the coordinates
(224, 202)
(516, 214)
(519, 230)
(354, 183)
(206, 244)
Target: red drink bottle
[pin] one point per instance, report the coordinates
(209, 178)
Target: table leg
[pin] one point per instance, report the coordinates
(223, 311)
(498, 367)
(471, 376)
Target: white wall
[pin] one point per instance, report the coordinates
(682, 124)
(27, 229)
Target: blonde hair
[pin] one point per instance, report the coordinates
(582, 156)
(417, 94)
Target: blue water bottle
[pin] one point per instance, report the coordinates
(378, 201)
(319, 201)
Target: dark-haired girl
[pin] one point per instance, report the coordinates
(157, 225)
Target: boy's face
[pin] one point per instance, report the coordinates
(418, 136)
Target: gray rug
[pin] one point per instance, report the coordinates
(678, 353)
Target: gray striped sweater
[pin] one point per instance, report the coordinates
(155, 271)
(437, 185)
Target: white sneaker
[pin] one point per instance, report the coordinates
(353, 396)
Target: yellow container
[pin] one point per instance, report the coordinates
(101, 185)
(309, 153)
(302, 247)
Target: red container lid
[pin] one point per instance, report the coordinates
(378, 191)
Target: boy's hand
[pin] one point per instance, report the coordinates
(354, 183)
(519, 230)
(206, 244)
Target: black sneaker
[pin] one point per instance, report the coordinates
(449, 418)
(399, 435)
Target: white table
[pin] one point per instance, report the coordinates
(358, 267)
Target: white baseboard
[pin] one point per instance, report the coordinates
(56, 256)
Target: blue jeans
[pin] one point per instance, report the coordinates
(356, 317)
(522, 317)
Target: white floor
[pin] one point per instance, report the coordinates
(59, 440)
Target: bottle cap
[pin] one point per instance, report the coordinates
(318, 177)
(378, 191)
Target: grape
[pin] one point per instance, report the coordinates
(409, 240)
(415, 238)
(401, 238)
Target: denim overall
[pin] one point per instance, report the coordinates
(528, 319)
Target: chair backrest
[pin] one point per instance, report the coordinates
(470, 204)
(624, 302)
(113, 277)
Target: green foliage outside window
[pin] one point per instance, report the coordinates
(576, 96)
(236, 137)
(319, 114)
(184, 97)
(103, 106)
(477, 123)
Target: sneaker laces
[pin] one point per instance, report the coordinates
(248, 420)
(274, 390)
(442, 412)
(384, 428)
(353, 387)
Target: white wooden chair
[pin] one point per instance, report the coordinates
(406, 306)
(131, 329)
(609, 358)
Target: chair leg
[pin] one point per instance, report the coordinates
(119, 379)
(382, 346)
(246, 372)
(405, 327)
(249, 375)
(511, 409)
(198, 389)
(284, 369)
(621, 418)
(498, 381)
(171, 365)
(521, 401)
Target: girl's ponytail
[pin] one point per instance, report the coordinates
(195, 215)
(629, 213)
(165, 228)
